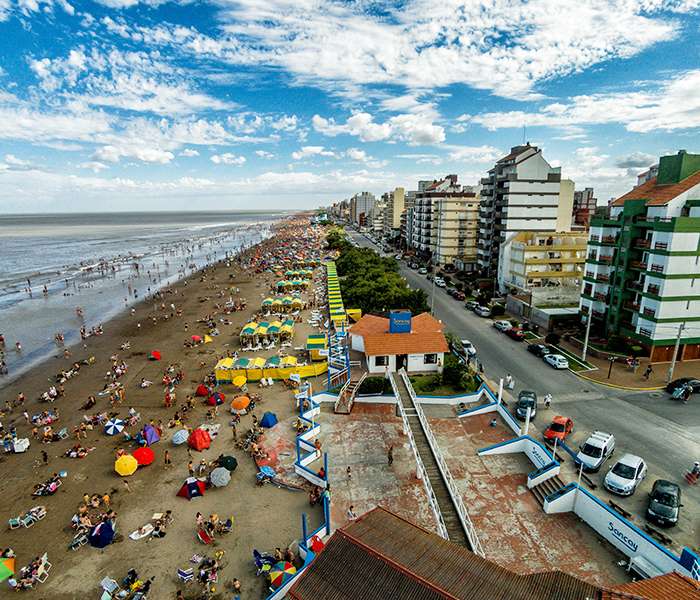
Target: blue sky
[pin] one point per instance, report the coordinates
(176, 105)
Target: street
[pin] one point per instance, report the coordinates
(662, 431)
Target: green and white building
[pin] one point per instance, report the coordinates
(642, 272)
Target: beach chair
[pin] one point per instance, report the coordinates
(27, 520)
(204, 537)
(42, 574)
(185, 575)
(45, 561)
(63, 434)
(110, 586)
(79, 540)
(15, 522)
(38, 512)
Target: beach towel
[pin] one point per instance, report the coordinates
(137, 535)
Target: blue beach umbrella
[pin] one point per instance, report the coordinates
(114, 426)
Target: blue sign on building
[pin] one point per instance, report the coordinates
(400, 321)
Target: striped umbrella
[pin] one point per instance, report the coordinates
(180, 437)
(281, 573)
(114, 426)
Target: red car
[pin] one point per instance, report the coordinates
(517, 334)
(559, 428)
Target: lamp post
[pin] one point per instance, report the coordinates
(611, 361)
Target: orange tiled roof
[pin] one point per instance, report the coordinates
(658, 195)
(426, 336)
(664, 587)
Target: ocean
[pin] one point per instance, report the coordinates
(103, 263)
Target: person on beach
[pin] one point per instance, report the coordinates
(390, 455)
(167, 463)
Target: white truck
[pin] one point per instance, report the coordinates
(596, 450)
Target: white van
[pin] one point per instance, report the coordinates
(596, 450)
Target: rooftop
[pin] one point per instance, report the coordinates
(672, 585)
(425, 337)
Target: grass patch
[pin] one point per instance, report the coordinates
(430, 385)
(531, 336)
(575, 363)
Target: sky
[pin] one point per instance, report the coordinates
(112, 105)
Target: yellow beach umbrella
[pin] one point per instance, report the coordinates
(126, 465)
(239, 380)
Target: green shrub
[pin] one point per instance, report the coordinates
(498, 310)
(374, 385)
(552, 338)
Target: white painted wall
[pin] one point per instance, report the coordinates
(373, 367)
(415, 363)
(357, 342)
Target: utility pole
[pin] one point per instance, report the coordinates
(681, 327)
(589, 318)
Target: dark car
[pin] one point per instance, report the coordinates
(539, 350)
(526, 398)
(664, 503)
(691, 381)
(515, 333)
(459, 296)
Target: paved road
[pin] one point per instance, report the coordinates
(661, 431)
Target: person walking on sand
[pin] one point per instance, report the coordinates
(349, 472)
(167, 463)
(390, 455)
(190, 469)
(126, 485)
(648, 371)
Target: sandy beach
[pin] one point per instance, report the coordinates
(264, 517)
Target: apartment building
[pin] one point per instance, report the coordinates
(529, 260)
(444, 222)
(394, 204)
(361, 206)
(376, 223)
(584, 206)
(522, 192)
(642, 275)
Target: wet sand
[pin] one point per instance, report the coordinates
(264, 517)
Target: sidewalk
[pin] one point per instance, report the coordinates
(623, 377)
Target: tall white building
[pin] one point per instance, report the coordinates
(361, 206)
(522, 192)
(393, 208)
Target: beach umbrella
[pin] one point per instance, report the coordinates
(240, 404)
(101, 535)
(202, 391)
(239, 380)
(220, 477)
(199, 440)
(228, 462)
(216, 399)
(281, 573)
(208, 339)
(150, 434)
(144, 456)
(196, 338)
(289, 361)
(7, 568)
(273, 362)
(154, 355)
(267, 302)
(268, 420)
(126, 465)
(241, 363)
(180, 437)
(114, 426)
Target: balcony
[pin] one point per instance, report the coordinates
(649, 312)
(601, 297)
(591, 256)
(634, 306)
(660, 246)
(595, 238)
(606, 259)
(653, 289)
(610, 240)
(656, 268)
(598, 314)
(642, 243)
(637, 286)
(638, 264)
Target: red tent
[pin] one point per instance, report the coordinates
(155, 355)
(144, 456)
(192, 488)
(216, 398)
(202, 391)
(199, 440)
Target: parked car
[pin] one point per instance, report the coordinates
(515, 333)
(526, 398)
(683, 381)
(596, 450)
(625, 475)
(664, 503)
(459, 296)
(483, 311)
(502, 325)
(422, 271)
(468, 348)
(440, 282)
(557, 361)
(559, 428)
(538, 350)
(398, 256)
(471, 304)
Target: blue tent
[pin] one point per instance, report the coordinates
(101, 535)
(269, 420)
(150, 434)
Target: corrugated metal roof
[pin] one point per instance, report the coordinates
(672, 586)
(381, 553)
(659, 195)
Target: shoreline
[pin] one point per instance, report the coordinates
(152, 490)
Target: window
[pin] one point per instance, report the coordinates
(429, 359)
(381, 361)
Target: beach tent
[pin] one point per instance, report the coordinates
(274, 328)
(240, 404)
(114, 426)
(268, 420)
(239, 381)
(150, 434)
(228, 462)
(199, 440)
(267, 302)
(101, 535)
(126, 465)
(261, 329)
(220, 477)
(192, 488)
(144, 456)
(257, 363)
(154, 355)
(202, 391)
(7, 568)
(317, 344)
(249, 329)
(180, 437)
(289, 361)
(216, 399)
(273, 362)
(242, 363)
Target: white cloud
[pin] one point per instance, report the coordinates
(264, 154)
(635, 160)
(357, 154)
(307, 151)
(477, 154)
(284, 123)
(228, 159)
(673, 105)
(144, 154)
(13, 161)
(188, 152)
(94, 165)
(415, 129)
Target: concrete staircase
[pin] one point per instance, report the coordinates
(449, 513)
(346, 399)
(547, 487)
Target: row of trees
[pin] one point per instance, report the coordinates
(370, 282)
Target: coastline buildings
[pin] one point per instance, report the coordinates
(522, 192)
(584, 206)
(443, 223)
(394, 205)
(642, 276)
(361, 206)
